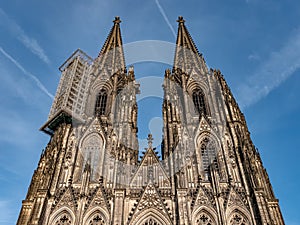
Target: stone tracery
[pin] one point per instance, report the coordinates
(204, 218)
(64, 218)
(238, 218)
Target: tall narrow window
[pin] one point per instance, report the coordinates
(92, 151)
(208, 155)
(101, 103)
(199, 102)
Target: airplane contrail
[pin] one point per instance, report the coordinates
(30, 75)
(165, 17)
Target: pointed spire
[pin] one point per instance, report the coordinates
(187, 55)
(112, 54)
(114, 38)
(184, 38)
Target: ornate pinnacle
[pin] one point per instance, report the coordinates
(180, 20)
(150, 139)
(117, 20)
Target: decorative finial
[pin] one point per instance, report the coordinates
(150, 139)
(180, 20)
(117, 20)
(131, 68)
(167, 73)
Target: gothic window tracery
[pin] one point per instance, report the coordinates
(63, 219)
(199, 102)
(91, 149)
(150, 221)
(97, 219)
(238, 219)
(101, 102)
(208, 154)
(204, 219)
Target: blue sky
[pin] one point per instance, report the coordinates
(255, 43)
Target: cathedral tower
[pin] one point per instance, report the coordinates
(89, 173)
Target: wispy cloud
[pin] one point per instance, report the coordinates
(30, 75)
(20, 34)
(254, 56)
(276, 69)
(162, 11)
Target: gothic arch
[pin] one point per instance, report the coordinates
(210, 134)
(94, 129)
(207, 151)
(204, 216)
(201, 133)
(102, 84)
(92, 149)
(238, 216)
(96, 216)
(95, 89)
(153, 215)
(63, 216)
(198, 97)
(192, 85)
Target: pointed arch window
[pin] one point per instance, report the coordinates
(92, 148)
(205, 219)
(97, 219)
(63, 219)
(208, 154)
(199, 102)
(238, 219)
(101, 102)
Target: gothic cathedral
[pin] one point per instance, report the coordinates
(91, 172)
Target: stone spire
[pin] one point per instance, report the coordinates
(184, 38)
(111, 55)
(89, 172)
(187, 55)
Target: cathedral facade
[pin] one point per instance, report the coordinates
(91, 173)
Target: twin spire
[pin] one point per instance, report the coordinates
(111, 55)
(184, 38)
(112, 51)
(114, 38)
